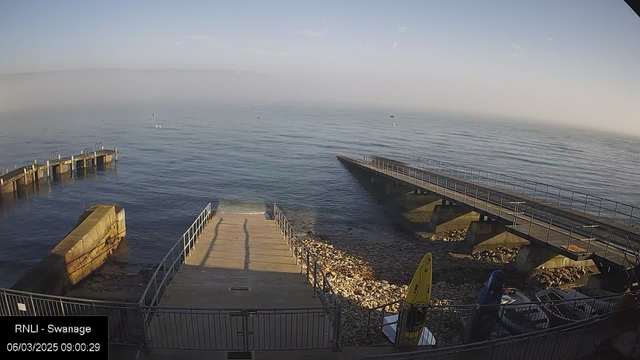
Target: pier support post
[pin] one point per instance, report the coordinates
(116, 154)
(450, 218)
(95, 159)
(488, 234)
(48, 169)
(25, 178)
(531, 257)
(73, 164)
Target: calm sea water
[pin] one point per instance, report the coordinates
(285, 154)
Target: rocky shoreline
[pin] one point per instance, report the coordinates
(367, 275)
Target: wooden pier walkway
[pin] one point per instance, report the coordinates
(574, 234)
(12, 180)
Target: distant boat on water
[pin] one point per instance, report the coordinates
(392, 116)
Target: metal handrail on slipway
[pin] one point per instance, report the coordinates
(496, 204)
(172, 261)
(575, 200)
(321, 288)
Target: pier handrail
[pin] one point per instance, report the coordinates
(525, 219)
(172, 261)
(322, 288)
(575, 200)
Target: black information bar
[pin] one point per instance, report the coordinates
(46, 337)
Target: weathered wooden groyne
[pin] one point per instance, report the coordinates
(12, 181)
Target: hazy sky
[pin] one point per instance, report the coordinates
(563, 61)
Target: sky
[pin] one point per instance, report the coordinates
(571, 62)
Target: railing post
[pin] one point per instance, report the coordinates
(465, 193)
(488, 198)
(166, 285)
(615, 212)
(600, 208)
(631, 217)
(586, 201)
(337, 326)
(531, 223)
(307, 265)
(570, 236)
(546, 197)
(549, 230)
(143, 326)
(535, 190)
(573, 193)
(500, 211)
(315, 276)
(606, 251)
(475, 199)
(324, 290)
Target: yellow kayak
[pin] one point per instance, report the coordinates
(418, 297)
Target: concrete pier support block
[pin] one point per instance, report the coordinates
(7, 188)
(451, 217)
(60, 169)
(484, 235)
(531, 257)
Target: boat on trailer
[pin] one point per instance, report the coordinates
(564, 308)
(519, 315)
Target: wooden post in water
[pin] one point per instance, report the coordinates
(73, 164)
(58, 157)
(95, 159)
(35, 173)
(116, 154)
(48, 170)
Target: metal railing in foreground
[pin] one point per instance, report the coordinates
(242, 329)
(172, 262)
(595, 205)
(567, 342)
(452, 325)
(314, 272)
(125, 319)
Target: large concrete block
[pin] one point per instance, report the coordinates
(87, 246)
(532, 257)
(7, 188)
(484, 235)
(451, 217)
(419, 202)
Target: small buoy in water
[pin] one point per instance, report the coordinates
(258, 117)
(394, 124)
(154, 114)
